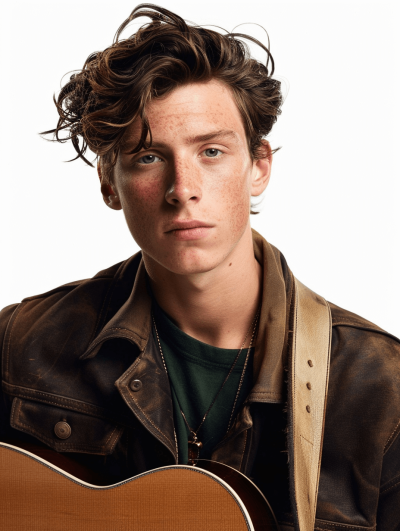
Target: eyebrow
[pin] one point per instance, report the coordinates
(227, 133)
(212, 135)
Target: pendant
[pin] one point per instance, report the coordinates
(194, 451)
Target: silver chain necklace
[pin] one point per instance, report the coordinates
(194, 445)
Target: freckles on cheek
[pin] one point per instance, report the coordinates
(140, 202)
(240, 216)
(141, 194)
(238, 205)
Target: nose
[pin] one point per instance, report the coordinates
(185, 184)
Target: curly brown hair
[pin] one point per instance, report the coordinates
(100, 102)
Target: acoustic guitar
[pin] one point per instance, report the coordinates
(37, 495)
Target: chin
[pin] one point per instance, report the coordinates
(192, 267)
(190, 262)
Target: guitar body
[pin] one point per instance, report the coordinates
(36, 495)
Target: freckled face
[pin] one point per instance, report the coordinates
(186, 200)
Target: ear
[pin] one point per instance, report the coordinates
(261, 170)
(110, 198)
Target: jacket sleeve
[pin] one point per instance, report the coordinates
(388, 517)
(5, 316)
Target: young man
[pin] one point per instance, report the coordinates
(189, 341)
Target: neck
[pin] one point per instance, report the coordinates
(218, 306)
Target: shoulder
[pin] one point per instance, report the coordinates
(81, 305)
(361, 336)
(64, 289)
(365, 372)
(341, 317)
(355, 338)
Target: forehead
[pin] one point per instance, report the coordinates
(191, 113)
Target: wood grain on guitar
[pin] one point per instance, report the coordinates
(36, 495)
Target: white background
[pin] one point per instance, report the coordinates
(332, 206)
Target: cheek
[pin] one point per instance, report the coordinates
(236, 199)
(140, 200)
(142, 189)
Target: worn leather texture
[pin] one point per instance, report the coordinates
(71, 353)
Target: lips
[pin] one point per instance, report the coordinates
(188, 230)
(187, 225)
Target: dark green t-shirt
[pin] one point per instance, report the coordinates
(196, 372)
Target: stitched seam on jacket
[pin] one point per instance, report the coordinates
(355, 323)
(107, 299)
(127, 375)
(112, 433)
(127, 329)
(151, 422)
(100, 315)
(70, 403)
(69, 286)
(131, 369)
(244, 448)
(248, 442)
(392, 437)
(115, 278)
(17, 311)
(345, 526)
(345, 322)
(53, 403)
(111, 336)
(32, 430)
(263, 393)
(391, 486)
(73, 285)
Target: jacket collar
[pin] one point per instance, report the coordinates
(133, 319)
(271, 345)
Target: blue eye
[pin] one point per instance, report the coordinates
(212, 152)
(148, 159)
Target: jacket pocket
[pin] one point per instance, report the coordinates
(65, 430)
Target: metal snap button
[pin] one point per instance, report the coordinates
(63, 430)
(135, 385)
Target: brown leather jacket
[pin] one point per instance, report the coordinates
(71, 355)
